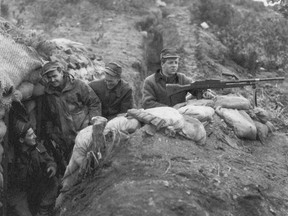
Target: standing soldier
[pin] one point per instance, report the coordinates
(69, 105)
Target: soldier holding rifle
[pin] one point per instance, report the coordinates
(154, 88)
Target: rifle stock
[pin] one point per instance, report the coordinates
(216, 84)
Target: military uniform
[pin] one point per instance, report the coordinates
(30, 189)
(154, 90)
(68, 110)
(114, 101)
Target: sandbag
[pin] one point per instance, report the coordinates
(26, 90)
(243, 126)
(232, 102)
(262, 130)
(262, 115)
(3, 129)
(146, 118)
(173, 119)
(122, 124)
(201, 102)
(83, 145)
(193, 129)
(202, 113)
(17, 62)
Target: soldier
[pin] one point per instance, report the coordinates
(154, 88)
(115, 94)
(69, 105)
(33, 187)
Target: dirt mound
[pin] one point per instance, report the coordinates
(161, 175)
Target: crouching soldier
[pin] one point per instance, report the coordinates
(33, 187)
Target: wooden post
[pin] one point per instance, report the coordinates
(98, 141)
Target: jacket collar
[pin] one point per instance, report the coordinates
(117, 89)
(160, 76)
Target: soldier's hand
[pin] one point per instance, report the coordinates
(17, 95)
(51, 171)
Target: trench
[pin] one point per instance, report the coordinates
(152, 46)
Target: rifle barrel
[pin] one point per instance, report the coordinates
(216, 84)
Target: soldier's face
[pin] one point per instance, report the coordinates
(111, 81)
(170, 66)
(55, 78)
(30, 138)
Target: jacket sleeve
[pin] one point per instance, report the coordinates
(45, 157)
(91, 100)
(149, 99)
(127, 101)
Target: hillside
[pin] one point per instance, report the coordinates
(160, 175)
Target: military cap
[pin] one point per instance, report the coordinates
(113, 69)
(168, 53)
(50, 66)
(21, 128)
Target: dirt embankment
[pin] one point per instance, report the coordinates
(170, 176)
(160, 175)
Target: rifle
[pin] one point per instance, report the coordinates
(217, 84)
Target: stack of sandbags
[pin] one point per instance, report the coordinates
(75, 57)
(243, 126)
(18, 63)
(247, 122)
(172, 121)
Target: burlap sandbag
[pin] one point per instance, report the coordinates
(262, 131)
(201, 102)
(173, 119)
(17, 62)
(193, 129)
(82, 145)
(26, 89)
(202, 113)
(240, 121)
(3, 129)
(232, 102)
(122, 124)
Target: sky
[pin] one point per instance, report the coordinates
(266, 3)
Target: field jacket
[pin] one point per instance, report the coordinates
(114, 101)
(31, 168)
(154, 90)
(69, 110)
